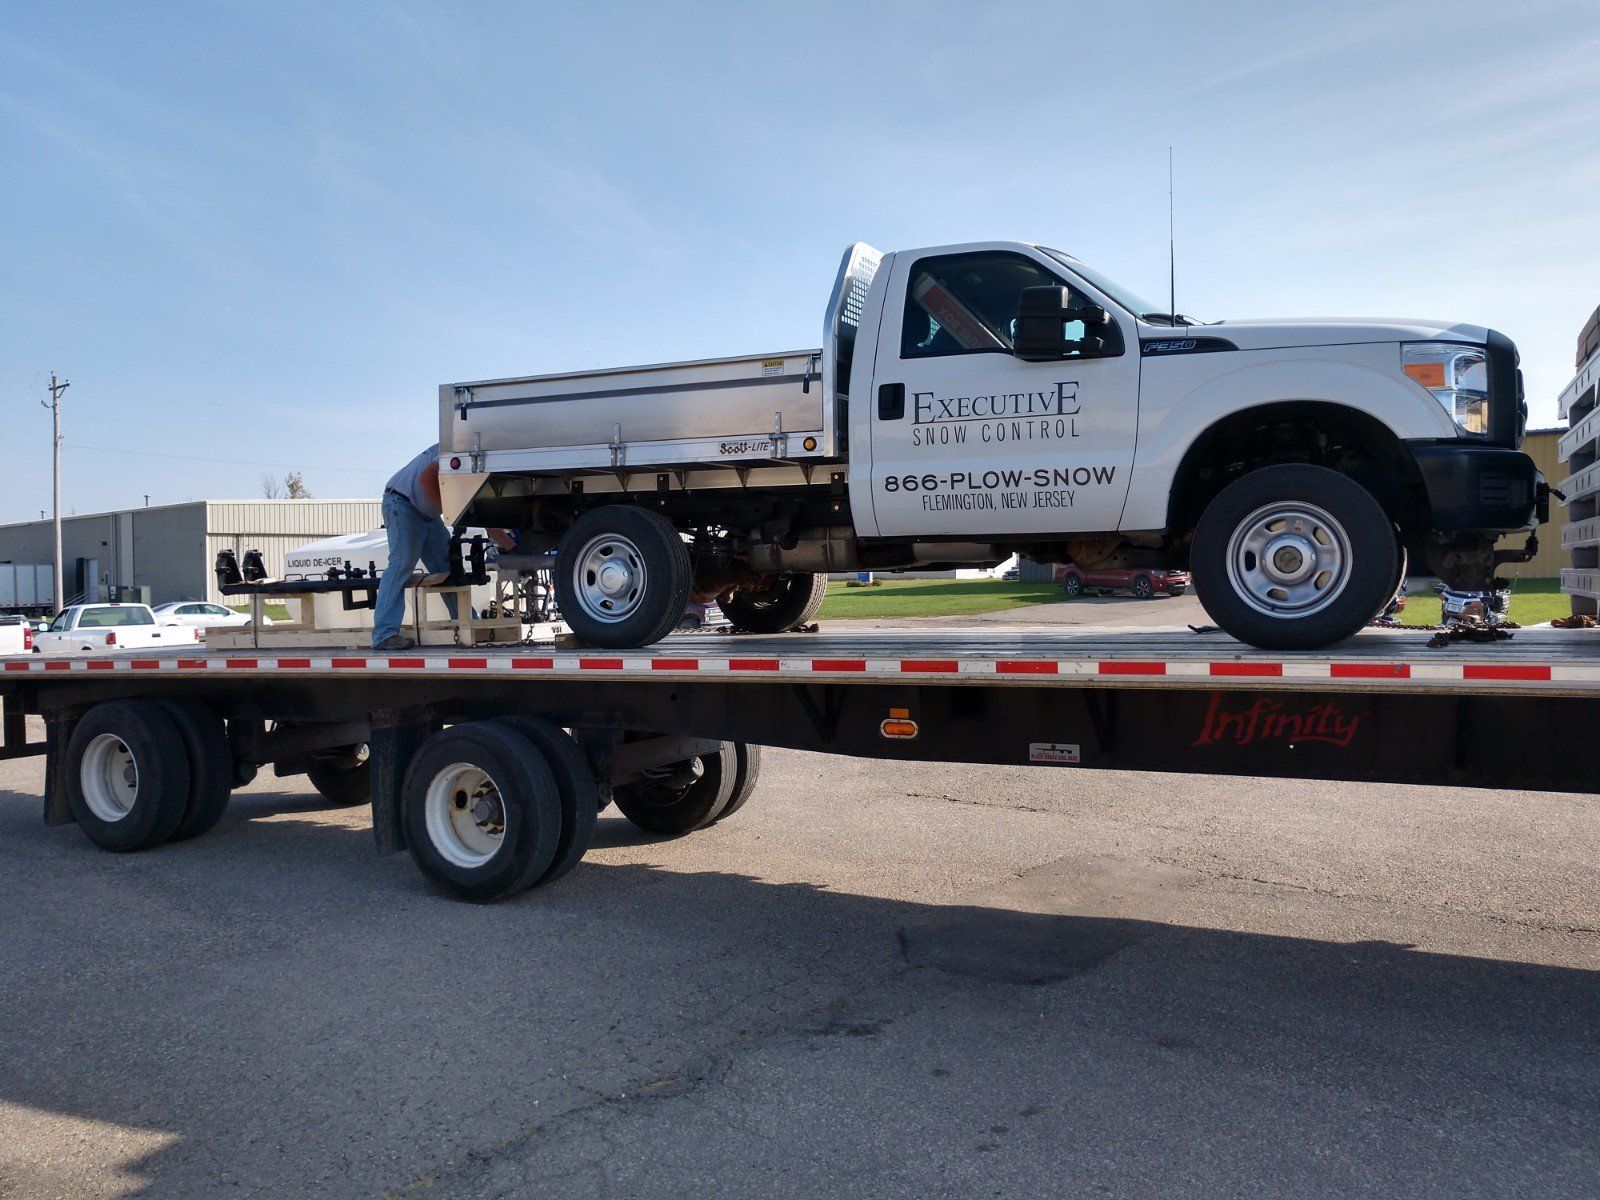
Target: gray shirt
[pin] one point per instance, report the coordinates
(408, 482)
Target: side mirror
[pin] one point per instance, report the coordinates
(1043, 314)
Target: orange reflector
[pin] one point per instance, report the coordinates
(1428, 374)
(899, 725)
(810, 443)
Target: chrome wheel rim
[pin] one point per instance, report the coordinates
(1289, 559)
(466, 816)
(610, 578)
(109, 777)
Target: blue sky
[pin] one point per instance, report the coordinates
(266, 233)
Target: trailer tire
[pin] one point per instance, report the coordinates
(1293, 557)
(127, 775)
(576, 784)
(667, 807)
(793, 603)
(481, 812)
(622, 577)
(344, 778)
(210, 766)
(745, 778)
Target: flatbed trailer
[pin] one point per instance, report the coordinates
(489, 764)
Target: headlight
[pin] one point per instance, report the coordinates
(1458, 377)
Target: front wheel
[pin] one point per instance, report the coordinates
(1142, 588)
(1072, 585)
(1293, 557)
(790, 602)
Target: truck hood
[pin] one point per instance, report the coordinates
(1333, 331)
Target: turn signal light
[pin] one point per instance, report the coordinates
(899, 725)
(1428, 374)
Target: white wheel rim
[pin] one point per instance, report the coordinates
(109, 777)
(466, 816)
(1289, 559)
(609, 578)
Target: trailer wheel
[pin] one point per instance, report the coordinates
(210, 766)
(745, 778)
(575, 783)
(127, 775)
(1293, 557)
(682, 797)
(481, 811)
(343, 776)
(790, 603)
(622, 577)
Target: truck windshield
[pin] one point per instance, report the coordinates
(1131, 301)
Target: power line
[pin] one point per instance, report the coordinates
(226, 462)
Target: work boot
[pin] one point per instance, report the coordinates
(395, 641)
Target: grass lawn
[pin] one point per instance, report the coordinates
(278, 612)
(932, 598)
(1532, 601)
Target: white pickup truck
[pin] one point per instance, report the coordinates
(977, 400)
(81, 627)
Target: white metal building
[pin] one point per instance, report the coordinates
(170, 548)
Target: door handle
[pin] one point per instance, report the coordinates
(891, 401)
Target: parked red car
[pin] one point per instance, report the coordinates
(1143, 582)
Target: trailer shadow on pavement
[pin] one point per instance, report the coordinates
(275, 1010)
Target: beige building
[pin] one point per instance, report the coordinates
(170, 548)
(1547, 564)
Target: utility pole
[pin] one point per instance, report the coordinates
(54, 405)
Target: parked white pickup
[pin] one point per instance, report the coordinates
(90, 627)
(974, 401)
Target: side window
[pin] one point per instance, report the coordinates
(967, 303)
(60, 624)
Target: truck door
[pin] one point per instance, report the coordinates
(966, 438)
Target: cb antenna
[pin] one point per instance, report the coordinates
(1172, 248)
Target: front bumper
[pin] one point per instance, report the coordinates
(1480, 489)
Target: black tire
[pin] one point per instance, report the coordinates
(646, 548)
(205, 739)
(343, 776)
(1177, 591)
(793, 602)
(669, 807)
(1143, 589)
(529, 804)
(1072, 585)
(575, 781)
(1370, 544)
(149, 738)
(746, 775)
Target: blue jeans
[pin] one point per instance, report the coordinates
(412, 536)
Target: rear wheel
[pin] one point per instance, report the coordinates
(622, 577)
(205, 740)
(681, 797)
(791, 601)
(343, 775)
(127, 775)
(576, 785)
(481, 811)
(1293, 557)
(746, 775)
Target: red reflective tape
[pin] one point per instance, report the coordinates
(145, 664)
(1369, 671)
(300, 664)
(1026, 666)
(533, 664)
(1126, 667)
(407, 664)
(18, 666)
(243, 664)
(600, 664)
(101, 664)
(1503, 671)
(838, 664)
(349, 664)
(191, 664)
(930, 666)
(58, 665)
(468, 664)
(1255, 669)
(674, 664)
(753, 664)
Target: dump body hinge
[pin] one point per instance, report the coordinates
(463, 401)
(619, 448)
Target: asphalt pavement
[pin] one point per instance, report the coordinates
(877, 980)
